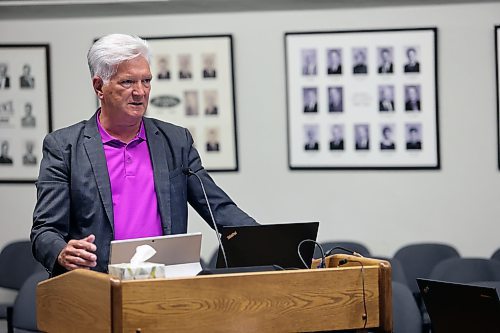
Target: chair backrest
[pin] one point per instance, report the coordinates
(496, 255)
(398, 273)
(24, 313)
(406, 315)
(466, 270)
(17, 264)
(353, 246)
(418, 260)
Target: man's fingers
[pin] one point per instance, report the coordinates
(83, 244)
(90, 238)
(79, 253)
(80, 262)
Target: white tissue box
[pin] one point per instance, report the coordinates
(141, 271)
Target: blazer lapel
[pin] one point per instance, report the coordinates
(158, 152)
(95, 151)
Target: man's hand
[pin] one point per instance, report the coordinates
(78, 254)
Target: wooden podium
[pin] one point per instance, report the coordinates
(282, 301)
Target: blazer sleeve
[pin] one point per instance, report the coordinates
(225, 211)
(51, 216)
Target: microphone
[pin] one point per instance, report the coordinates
(189, 172)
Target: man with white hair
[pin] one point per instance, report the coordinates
(118, 175)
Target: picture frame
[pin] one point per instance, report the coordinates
(193, 87)
(25, 110)
(497, 76)
(362, 99)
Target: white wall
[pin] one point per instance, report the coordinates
(384, 209)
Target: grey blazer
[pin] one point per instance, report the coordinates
(74, 192)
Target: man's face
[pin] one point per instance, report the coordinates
(413, 135)
(386, 93)
(126, 95)
(412, 55)
(385, 55)
(210, 100)
(162, 64)
(334, 96)
(5, 148)
(362, 132)
(311, 96)
(3, 70)
(336, 133)
(359, 57)
(26, 70)
(412, 94)
(387, 132)
(334, 58)
(209, 62)
(27, 109)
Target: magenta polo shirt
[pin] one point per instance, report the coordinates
(135, 208)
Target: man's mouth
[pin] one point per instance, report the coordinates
(136, 103)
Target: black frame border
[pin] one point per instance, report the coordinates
(231, 54)
(438, 152)
(46, 46)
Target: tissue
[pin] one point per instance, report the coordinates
(138, 268)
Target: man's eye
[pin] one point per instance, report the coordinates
(146, 82)
(127, 83)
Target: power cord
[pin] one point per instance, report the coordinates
(349, 251)
(323, 257)
(365, 314)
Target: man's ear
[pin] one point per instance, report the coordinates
(98, 83)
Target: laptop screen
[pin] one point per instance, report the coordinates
(271, 244)
(460, 308)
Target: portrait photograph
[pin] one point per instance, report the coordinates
(386, 98)
(359, 60)
(334, 57)
(387, 141)
(29, 157)
(28, 119)
(385, 60)
(309, 62)
(185, 66)
(412, 65)
(412, 98)
(413, 136)
(362, 136)
(213, 141)
(210, 98)
(209, 70)
(191, 103)
(337, 137)
(5, 152)
(163, 69)
(368, 89)
(4, 76)
(335, 99)
(310, 100)
(26, 80)
(311, 134)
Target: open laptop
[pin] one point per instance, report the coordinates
(180, 253)
(267, 245)
(460, 308)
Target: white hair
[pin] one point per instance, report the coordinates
(111, 50)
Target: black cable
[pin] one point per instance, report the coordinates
(349, 251)
(365, 315)
(323, 257)
(190, 172)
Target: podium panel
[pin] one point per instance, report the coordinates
(284, 301)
